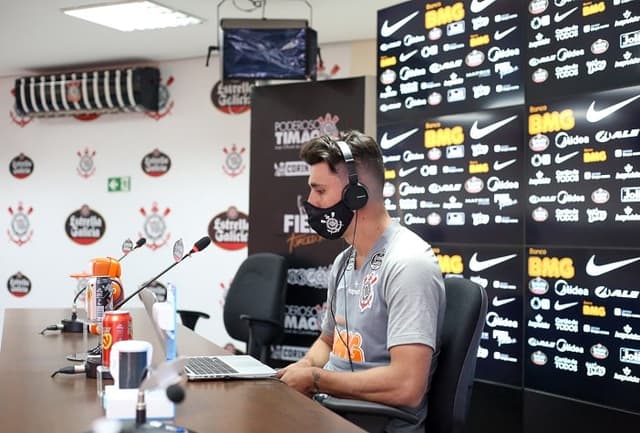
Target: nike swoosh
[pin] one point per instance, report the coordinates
(558, 17)
(597, 270)
(406, 56)
(496, 302)
(405, 172)
(387, 143)
(480, 5)
(480, 265)
(500, 35)
(594, 115)
(387, 30)
(478, 133)
(497, 166)
(559, 307)
(562, 158)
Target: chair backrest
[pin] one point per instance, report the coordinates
(451, 384)
(258, 290)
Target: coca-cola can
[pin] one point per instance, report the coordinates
(116, 326)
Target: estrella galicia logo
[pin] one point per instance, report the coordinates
(229, 230)
(85, 226)
(233, 162)
(86, 166)
(155, 227)
(21, 166)
(20, 231)
(19, 285)
(232, 97)
(156, 163)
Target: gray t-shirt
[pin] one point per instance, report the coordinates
(396, 297)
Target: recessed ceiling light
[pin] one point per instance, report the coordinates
(133, 15)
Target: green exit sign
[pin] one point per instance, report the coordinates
(119, 184)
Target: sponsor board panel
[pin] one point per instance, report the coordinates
(449, 56)
(582, 324)
(575, 47)
(457, 178)
(499, 271)
(583, 169)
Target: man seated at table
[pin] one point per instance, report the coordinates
(385, 297)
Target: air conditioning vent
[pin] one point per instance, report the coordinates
(104, 91)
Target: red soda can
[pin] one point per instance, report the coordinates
(116, 326)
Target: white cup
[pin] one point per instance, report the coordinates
(129, 362)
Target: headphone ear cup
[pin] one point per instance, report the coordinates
(355, 196)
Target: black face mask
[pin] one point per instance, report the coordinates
(331, 222)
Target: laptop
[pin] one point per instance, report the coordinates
(226, 367)
(211, 367)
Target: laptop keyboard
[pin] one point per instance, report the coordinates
(208, 366)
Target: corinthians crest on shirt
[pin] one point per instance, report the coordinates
(367, 292)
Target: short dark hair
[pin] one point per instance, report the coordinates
(364, 149)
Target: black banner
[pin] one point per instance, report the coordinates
(283, 118)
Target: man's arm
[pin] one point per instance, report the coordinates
(401, 383)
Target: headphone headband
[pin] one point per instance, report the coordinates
(355, 194)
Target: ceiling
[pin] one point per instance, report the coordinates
(36, 37)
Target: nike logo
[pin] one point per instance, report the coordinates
(559, 307)
(500, 35)
(480, 265)
(406, 56)
(387, 30)
(562, 158)
(558, 17)
(406, 172)
(594, 115)
(480, 5)
(387, 143)
(595, 270)
(497, 166)
(497, 302)
(478, 133)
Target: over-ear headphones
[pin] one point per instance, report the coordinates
(354, 194)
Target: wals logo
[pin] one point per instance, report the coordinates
(21, 166)
(156, 163)
(165, 104)
(19, 285)
(230, 230)
(18, 117)
(232, 97)
(86, 166)
(20, 228)
(233, 162)
(85, 226)
(155, 228)
(290, 134)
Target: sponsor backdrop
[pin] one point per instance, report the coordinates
(510, 137)
(75, 188)
(283, 118)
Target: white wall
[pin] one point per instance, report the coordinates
(194, 134)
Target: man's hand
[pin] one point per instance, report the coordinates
(301, 376)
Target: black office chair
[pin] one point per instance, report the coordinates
(254, 306)
(452, 382)
(189, 318)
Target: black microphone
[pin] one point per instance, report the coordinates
(198, 246)
(140, 242)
